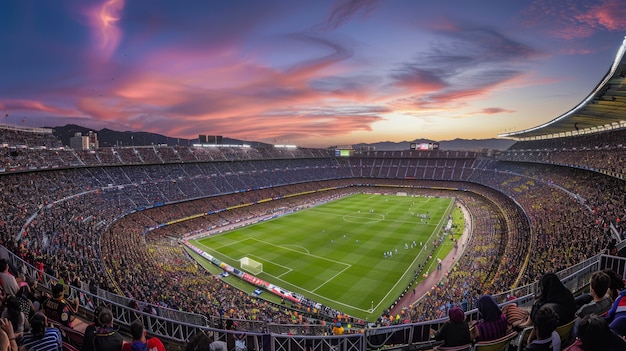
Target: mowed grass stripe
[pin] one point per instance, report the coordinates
(315, 252)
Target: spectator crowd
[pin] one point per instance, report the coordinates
(87, 225)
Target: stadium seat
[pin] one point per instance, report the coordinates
(565, 332)
(426, 345)
(454, 348)
(68, 347)
(501, 344)
(522, 338)
(70, 336)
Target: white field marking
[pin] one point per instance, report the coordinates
(368, 310)
(259, 259)
(288, 249)
(368, 219)
(365, 216)
(331, 278)
(216, 247)
(448, 243)
(312, 293)
(302, 247)
(439, 225)
(324, 298)
(357, 215)
(288, 269)
(207, 249)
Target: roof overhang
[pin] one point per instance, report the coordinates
(603, 109)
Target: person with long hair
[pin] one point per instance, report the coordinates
(493, 324)
(552, 291)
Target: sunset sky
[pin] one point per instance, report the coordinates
(311, 73)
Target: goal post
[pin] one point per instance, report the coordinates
(251, 266)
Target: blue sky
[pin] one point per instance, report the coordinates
(311, 73)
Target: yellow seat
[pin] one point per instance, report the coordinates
(565, 332)
(495, 345)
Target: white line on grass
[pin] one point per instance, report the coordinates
(326, 298)
(331, 278)
(208, 248)
(302, 247)
(439, 225)
(289, 270)
(349, 218)
(286, 248)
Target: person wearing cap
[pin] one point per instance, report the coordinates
(454, 332)
(140, 342)
(58, 309)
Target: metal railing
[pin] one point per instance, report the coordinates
(262, 336)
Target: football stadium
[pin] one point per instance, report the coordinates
(284, 249)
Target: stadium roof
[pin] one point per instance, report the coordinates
(603, 109)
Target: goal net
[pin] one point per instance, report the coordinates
(251, 266)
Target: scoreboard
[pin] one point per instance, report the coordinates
(344, 152)
(424, 146)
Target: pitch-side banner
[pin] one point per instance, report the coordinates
(247, 277)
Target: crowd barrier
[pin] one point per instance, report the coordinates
(177, 326)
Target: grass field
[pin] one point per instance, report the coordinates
(335, 253)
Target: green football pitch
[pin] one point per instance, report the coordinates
(336, 253)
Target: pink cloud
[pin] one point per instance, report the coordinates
(493, 111)
(455, 97)
(291, 126)
(181, 100)
(32, 106)
(576, 19)
(103, 20)
(609, 15)
(233, 96)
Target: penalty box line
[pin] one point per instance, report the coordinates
(312, 292)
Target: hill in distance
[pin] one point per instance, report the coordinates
(456, 144)
(110, 138)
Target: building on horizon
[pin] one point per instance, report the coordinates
(84, 142)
